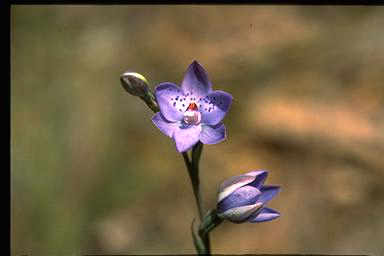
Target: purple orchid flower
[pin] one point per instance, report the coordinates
(193, 112)
(243, 198)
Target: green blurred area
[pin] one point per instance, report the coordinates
(91, 174)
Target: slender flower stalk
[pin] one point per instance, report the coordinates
(193, 171)
(194, 177)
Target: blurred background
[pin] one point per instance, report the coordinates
(91, 174)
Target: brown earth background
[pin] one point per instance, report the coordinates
(91, 174)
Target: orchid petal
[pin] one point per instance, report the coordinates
(196, 81)
(229, 186)
(186, 137)
(266, 214)
(240, 214)
(214, 107)
(170, 97)
(267, 193)
(246, 195)
(212, 134)
(260, 177)
(164, 125)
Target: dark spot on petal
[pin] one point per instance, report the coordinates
(183, 105)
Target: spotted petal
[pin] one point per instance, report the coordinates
(212, 134)
(186, 137)
(266, 214)
(164, 125)
(214, 107)
(196, 81)
(168, 97)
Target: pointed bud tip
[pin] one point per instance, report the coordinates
(134, 83)
(196, 63)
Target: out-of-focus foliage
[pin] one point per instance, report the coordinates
(92, 174)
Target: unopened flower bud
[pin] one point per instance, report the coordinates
(243, 198)
(134, 83)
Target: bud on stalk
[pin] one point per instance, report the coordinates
(134, 83)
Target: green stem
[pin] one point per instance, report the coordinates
(210, 221)
(193, 171)
(196, 154)
(194, 177)
(150, 99)
(199, 244)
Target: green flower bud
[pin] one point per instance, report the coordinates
(134, 83)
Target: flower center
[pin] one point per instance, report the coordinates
(192, 116)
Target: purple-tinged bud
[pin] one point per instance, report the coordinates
(134, 83)
(243, 198)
